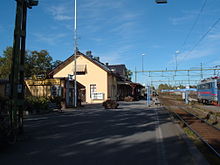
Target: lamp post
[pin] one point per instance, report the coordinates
(177, 52)
(142, 62)
(75, 53)
(148, 95)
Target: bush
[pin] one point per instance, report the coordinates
(56, 102)
(128, 99)
(56, 99)
(4, 102)
(35, 104)
(110, 104)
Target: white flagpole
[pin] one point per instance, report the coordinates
(75, 52)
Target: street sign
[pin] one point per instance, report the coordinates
(161, 1)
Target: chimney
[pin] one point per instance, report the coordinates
(96, 58)
(89, 53)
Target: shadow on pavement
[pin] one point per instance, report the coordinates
(96, 136)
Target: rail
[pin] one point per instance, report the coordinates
(205, 141)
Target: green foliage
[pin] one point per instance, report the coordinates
(36, 63)
(57, 100)
(180, 87)
(4, 102)
(129, 74)
(37, 104)
(193, 86)
(152, 87)
(5, 63)
(164, 86)
(56, 63)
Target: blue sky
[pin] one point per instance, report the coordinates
(119, 32)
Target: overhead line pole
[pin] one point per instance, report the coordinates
(187, 75)
(180, 70)
(135, 75)
(22, 60)
(17, 69)
(201, 71)
(14, 75)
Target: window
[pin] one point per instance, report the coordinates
(92, 89)
(97, 96)
(80, 69)
(113, 69)
(218, 85)
(205, 86)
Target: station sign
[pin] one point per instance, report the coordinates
(46, 82)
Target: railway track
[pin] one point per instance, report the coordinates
(206, 132)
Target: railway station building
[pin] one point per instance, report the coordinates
(96, 82)
(99, 81)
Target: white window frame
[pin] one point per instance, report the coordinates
(92, 89)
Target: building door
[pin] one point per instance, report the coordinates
(82, 94)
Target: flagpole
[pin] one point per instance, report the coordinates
(75, 52)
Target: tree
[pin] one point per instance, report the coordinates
(5, 63)
(180, 87)
(38, 63)
(165, 86)
(129, 74)
(56, 63)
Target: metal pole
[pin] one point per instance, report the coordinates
(176, 60)
(142, 62)
(186, 97)
(135, 75)
(67, 91)
(75, 53)
(188, 78)
(148, 95)
(201, 72)
(177, 52)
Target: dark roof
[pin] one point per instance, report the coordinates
(136, 84)
(120, 69)
(71, 59)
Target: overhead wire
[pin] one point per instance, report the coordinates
(194, 24)
(182, 49)
(205, 34)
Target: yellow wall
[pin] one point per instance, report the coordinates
(38, 91)
(94, 75)
(40, 87)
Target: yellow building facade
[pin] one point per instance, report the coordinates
(99, 83)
